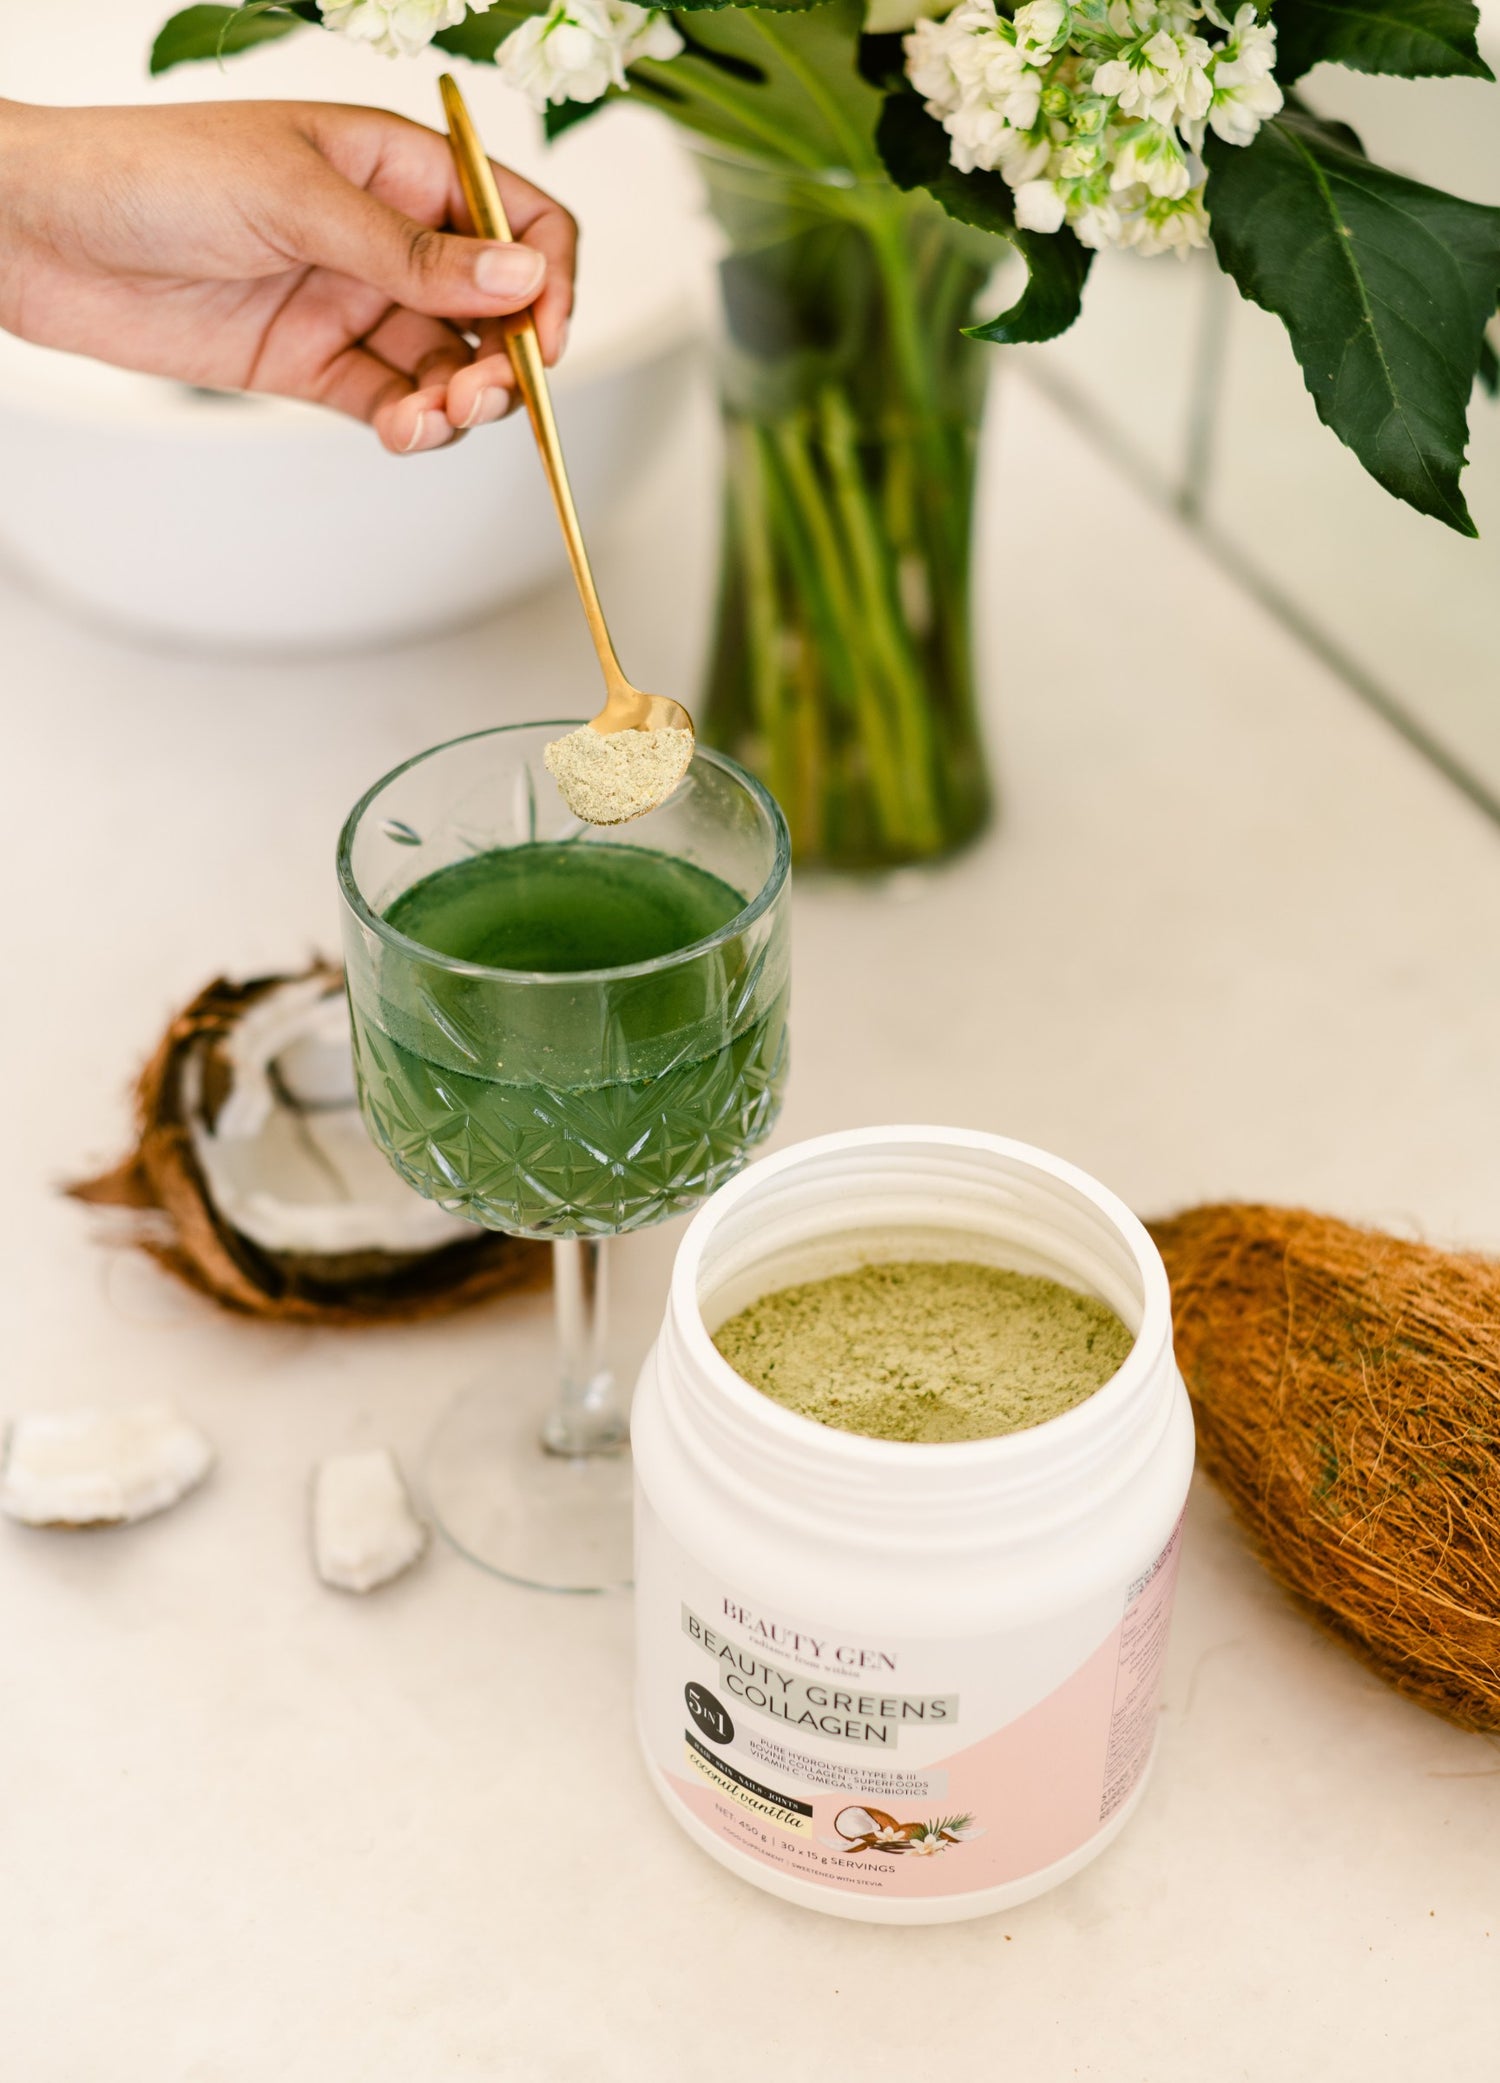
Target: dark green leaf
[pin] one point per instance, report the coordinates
(882, 61)
(567, 115)
(1384, 286)
(1489, 368)
(913, 144)
(217, 32)
(656, 89)
(1415, 38)
(789, 91)
(744, 69)
(478, 36)
(915, 150)
(1326, 126)
(1057, 267)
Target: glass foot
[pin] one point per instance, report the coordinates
(554, 1522)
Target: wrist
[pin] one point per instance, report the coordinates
(10, 230)
(22, 157)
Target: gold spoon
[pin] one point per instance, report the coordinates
(625, 707)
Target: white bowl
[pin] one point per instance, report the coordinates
(259, 524)
(256, 524)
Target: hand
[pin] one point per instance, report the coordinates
(291, 247)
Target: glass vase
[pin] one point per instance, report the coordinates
(842, 669)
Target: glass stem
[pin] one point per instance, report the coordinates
(587, 1416)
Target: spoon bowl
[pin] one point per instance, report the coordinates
(628, 708)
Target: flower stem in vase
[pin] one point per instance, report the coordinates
(841, 669)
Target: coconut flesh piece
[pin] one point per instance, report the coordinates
(365, 1531)
(286, 1158)
(95, 1467)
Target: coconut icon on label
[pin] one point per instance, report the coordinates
(872, 1830)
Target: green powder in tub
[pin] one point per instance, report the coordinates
(926, 1351)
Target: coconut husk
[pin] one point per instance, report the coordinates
(174, 1218)
(1346, 1386)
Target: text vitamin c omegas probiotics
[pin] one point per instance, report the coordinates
(897, 1680)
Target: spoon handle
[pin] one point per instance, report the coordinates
(490, 222)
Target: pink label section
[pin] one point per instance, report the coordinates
(1016, 1802)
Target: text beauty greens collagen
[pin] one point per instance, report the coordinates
(901, 1681)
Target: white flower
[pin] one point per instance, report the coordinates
(1094, 111)
(1153, 159)
(1041, 205)
(971, 62)
(983, 138)
(1164, 79)
(1250, 53)
(975, 79)
(1041, 25)
(1244, 93)
(400, 28)
(929, 65)
(1022, 157)
(1131, 85)
(1168, 226)
(926, 1846)
(889, 1833)
(1097, 223)
(1132, 18)
(579, 49)
(1236, 115)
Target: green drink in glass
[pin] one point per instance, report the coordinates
(568, 1032)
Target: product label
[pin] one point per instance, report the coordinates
(896, 1767)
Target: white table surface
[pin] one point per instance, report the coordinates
(1229, 938)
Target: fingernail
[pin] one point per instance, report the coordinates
(509, 271)
(489, 404)
(431, 431)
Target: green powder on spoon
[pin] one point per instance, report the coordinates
(926, 1351)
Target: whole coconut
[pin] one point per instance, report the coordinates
(1346, 1386)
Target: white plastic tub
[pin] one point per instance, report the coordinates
(844, 1644)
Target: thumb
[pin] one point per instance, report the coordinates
(440, 273)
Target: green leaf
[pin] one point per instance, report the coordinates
(915, 150)
(882, 61)
(1489, 368)
(563, 116)
(218, 32)
(1384, 286)
(1326, 126)
(1057, 267)
(775, 86)
(478, 36)
(1414, 38)
(745, 70)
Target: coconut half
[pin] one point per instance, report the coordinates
(253, 1177)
